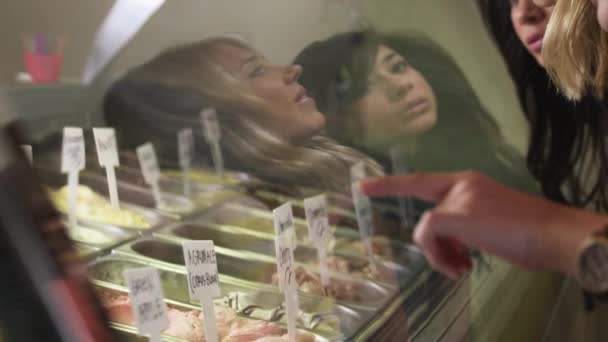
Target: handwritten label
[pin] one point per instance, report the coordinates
(211, 125)
(146, 294)
(185, 146)
(319, 231)
(29, 155)
(201, 262)
(148, 163)
(316, 216)
(203, 280)
(72, 154)
(285, 243)
(107, 154)
(107, 149)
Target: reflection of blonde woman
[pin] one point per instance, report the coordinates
(270, 127)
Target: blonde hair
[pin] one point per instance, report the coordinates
(575, 51)
(182, 81)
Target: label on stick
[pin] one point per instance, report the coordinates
(201, 263)
(185, 146)
(148, 163)
(146, 294)
(107, 149)
(72, 153)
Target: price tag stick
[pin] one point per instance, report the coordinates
(406, 207)
(213, 134)
(323, 264)
(73, 177)
(285, 244)
(364, 211)
(208, 310)
(203, 281)
(72, 162)
(107, 153)
(112, 186)
(158, 197)
(150, 170)
(186, 181)
(218, 159)
(185, 150)
(291, 301)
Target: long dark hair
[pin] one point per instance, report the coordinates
(564, 135)
(336, 73)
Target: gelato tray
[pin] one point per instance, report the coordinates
(235, 215)
(203, 195)
(95, 189)
(98, 236)
(260, 271)
(323, 316)
(238, 239)
(186, 321)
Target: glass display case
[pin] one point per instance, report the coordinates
(287, 133)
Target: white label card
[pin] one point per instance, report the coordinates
(29, 155)
(285, 243)
(72, 154)
(185, 146)
(107, 149)
(319, 231)
(201, 263)
(146, 294)
(148, 163)
(316, 216)
(363, 209)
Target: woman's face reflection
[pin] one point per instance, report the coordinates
(399, 102)
(530, 22)
(289, 111)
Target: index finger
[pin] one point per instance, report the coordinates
(425, 186)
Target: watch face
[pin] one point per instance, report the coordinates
(594, 267)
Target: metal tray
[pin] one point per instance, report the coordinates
(323, 316)
(99, 236)
(257, 270)
(396, 254)
(232, 214)
(131, 197)
(203, 196)
(127, 330)
(238, 239)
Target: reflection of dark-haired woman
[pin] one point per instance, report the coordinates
(379, 91)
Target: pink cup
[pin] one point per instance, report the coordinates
(43, 68)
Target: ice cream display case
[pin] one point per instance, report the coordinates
(179, 133)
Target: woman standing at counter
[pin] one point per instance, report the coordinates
(270, 127)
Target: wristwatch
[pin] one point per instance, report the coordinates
(592, 263)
